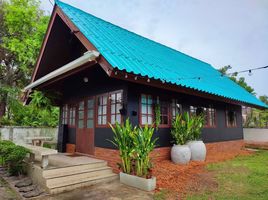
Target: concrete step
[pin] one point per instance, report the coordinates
(65, 171)
(77, 178)
(85, 183)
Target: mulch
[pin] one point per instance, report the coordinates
(182, 179)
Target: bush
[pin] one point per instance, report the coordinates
(186, 127)
(134, 145)
(12, 157)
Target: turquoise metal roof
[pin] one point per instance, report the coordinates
(128, 51)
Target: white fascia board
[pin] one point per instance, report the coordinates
(87, 57)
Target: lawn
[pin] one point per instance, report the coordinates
(245, 177)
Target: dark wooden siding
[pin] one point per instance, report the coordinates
(99, 83)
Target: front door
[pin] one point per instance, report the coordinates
(85, 127)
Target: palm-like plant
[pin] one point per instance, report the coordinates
(198, 123)
(144, 144)
(181, 128)
(123, 141)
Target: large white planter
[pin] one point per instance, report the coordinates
(138, 182)
(198, 150)
(180, 154)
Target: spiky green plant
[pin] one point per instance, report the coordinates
(181, 128)
(123, 140)
(144, 144)
(198, 123)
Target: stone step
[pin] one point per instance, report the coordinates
(68, 170)
(85, 183)
(77, 177)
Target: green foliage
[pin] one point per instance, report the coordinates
(134, 145)
(38, 113)
(157, 115)
(186, 127)
(181, 128)
(13, 156)
(123, 141)
(240, 81)
(23, 25)
(143, 145)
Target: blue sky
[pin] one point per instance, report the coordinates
(229, 32)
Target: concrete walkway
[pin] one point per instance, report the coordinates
(108, 191)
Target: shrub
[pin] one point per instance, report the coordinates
(12, 156)
(181, 128)
(123, 141)
(143, 145)
(134, 145)
(198, 123)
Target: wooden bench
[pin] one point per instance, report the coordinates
(42, 151)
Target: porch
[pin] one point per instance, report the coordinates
(69, 171)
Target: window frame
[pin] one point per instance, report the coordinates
(226, 118)
(72, 113)
(116, 104)
(176, 101)
(65, 115)
(140, 109)
(168, 115)
(108, 108)
(208, 117)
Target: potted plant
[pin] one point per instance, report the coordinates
(196, 145)
(181, 127)
(135, 145)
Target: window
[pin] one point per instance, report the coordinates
(64, 114)
(109, 108)
(72, 115)
(164, 113)
(231, 120)
(90, 113)
(81, 110)
(208, 112)
(116, 106)
(102, 109)
(210, 117)
(176, 108)
(146, 109)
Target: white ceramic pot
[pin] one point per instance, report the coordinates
(138, 182)
(180, 154)
(198, 150)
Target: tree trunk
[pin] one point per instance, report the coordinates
(2, 108)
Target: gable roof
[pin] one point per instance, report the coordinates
(127, 51)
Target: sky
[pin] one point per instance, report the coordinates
(229, 32)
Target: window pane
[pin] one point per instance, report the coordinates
(90, 103)
(118, 107)
(90, 114)
(150, 101)
(150, 109)
(80, 124)
(99, 110)
(150, 120)
(99, 120)
(113, 98)
(81, 105)
(144, 119)
(104, 100)
(104, 110)
(143, 99)
(113, 108)
(113, 119)
(164, 120)
(104, 120)
(90, 123)
(143, 109)
(119, 97)
(118, 118)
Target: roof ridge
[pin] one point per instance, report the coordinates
(156, 42)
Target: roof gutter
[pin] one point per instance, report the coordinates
(87, 57)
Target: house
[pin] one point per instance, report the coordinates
(100, 73)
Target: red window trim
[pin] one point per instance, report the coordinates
(108, 111)
(64, 117)
(168, 104)
(73, 117)
(208, 118)
(140, 110)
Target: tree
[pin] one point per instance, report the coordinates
(23, 26)
(264, 99)
(240, 81)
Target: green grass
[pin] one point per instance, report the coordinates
(245, 177)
